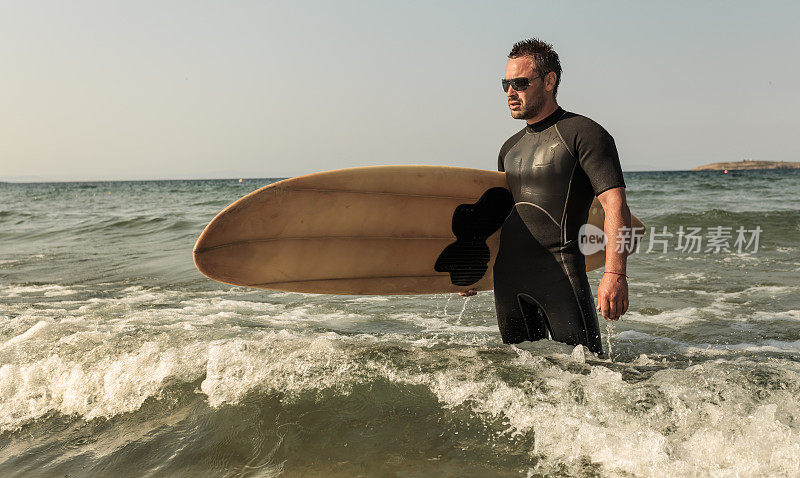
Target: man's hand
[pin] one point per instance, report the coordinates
(468, 293)
(612, 296)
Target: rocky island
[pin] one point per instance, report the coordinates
(748, 164)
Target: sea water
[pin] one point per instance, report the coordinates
(118, 358)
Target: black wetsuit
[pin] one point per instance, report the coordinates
(554, 168)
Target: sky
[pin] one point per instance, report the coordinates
(113, 90)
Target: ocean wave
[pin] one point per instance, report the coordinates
(138, 225)
(756, 291)
(12, 217)
(33, 228)
(89, 387)
(555, 408)
(724, 217)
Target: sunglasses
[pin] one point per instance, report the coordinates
(519, 84)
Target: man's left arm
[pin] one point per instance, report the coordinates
(612, 293)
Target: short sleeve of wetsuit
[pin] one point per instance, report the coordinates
(595, 150)
(510, 142)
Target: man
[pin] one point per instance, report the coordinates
(555, 166)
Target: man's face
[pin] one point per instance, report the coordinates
(529, 103)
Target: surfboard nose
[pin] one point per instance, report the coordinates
(200, 260)
(221, 263)
(204, 253)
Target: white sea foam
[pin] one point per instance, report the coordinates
(597, 416)
(621, 426)
(655, 426)
(274, 362)
(369, 299)
(764, 291)
(106, 356)
(791, 315)
(742, 258)
(708, 348)
(48, 290)
(687, 277)
(37, 328)
(91, 386)
(642, 339)
(780, 346)
(720, 305)
(670, 319)
(750, 292)
(443, 324)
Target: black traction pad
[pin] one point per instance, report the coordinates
(467, 259)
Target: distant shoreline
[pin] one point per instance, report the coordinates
(747, 164)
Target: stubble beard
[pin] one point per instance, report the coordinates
(531, 109)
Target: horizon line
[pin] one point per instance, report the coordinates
(236, 178)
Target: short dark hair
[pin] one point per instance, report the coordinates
(545, 59)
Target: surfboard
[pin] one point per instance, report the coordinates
(372, 230)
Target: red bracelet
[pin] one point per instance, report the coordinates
(617, 273)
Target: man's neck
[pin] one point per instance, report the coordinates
(546, 111)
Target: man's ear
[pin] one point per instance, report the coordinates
(550, 81)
